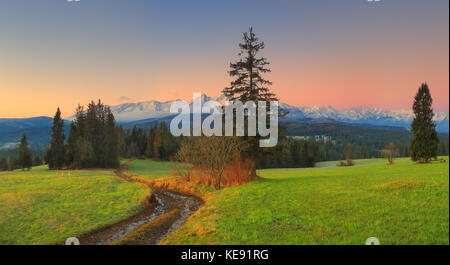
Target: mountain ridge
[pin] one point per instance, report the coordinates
(129, 112)
(145, 113)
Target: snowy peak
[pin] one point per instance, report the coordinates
(373, 116)
(141, 110)
(316, 112)
(128, 112)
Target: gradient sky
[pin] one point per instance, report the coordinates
(340, 53)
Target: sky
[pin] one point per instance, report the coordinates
(348, 53)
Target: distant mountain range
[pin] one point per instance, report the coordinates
(145, 113)
(37, 129)
(151, 110)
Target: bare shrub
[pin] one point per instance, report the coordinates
(390, 152)
(208, 158)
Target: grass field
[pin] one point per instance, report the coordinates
(404, 203)
(148, 169)
(46, 207)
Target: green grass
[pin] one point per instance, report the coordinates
(148, 169)
(405, 203)
(46, 207)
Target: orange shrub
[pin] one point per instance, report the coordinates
(236, 173)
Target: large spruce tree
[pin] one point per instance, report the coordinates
(249, 85)
(24, 159)
(425, 142)
(55, 155)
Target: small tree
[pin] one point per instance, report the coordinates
(150, 139)
(11, 164)
(425, 142)
(156, 145)
(349, 154)
(390, 152)
(210, 154)
(24, 158)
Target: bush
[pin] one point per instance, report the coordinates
(346, 163)
(236, 173)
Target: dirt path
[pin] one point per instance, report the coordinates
(159, 204)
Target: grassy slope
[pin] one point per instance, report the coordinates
(45, 207)
(149, 170)
(401, 204)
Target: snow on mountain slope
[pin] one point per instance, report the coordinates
(141, 110)
(373, 116)
(128, 112)
(365, 113)
(138, 111)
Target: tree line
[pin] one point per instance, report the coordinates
(9, 157)
(25, 159)
(95, 141)
(156, 143)
(92, 140)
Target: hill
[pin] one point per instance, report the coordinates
(38, 130)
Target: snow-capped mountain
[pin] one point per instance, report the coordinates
(138, 111)
(129, 112)
(373, 116)
(141, 110)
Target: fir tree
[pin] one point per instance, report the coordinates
(24, 158)
(249, 85)
(156, 144)
(150, 140)
(55, 157)
(112, 157)
(425, 142)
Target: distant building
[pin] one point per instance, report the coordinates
(317, 138)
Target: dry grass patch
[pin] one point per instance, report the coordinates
(404, 184)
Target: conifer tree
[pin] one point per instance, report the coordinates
(249, 85)
(112, 157)
(121, 141)
(425, 142)
(24, 158)
(56, 154)
(156, 144)
(150, 141)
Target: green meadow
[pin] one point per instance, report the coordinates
(404, 203)
(149, 169)
(47, 207)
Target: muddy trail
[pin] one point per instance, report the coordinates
(160, 203)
